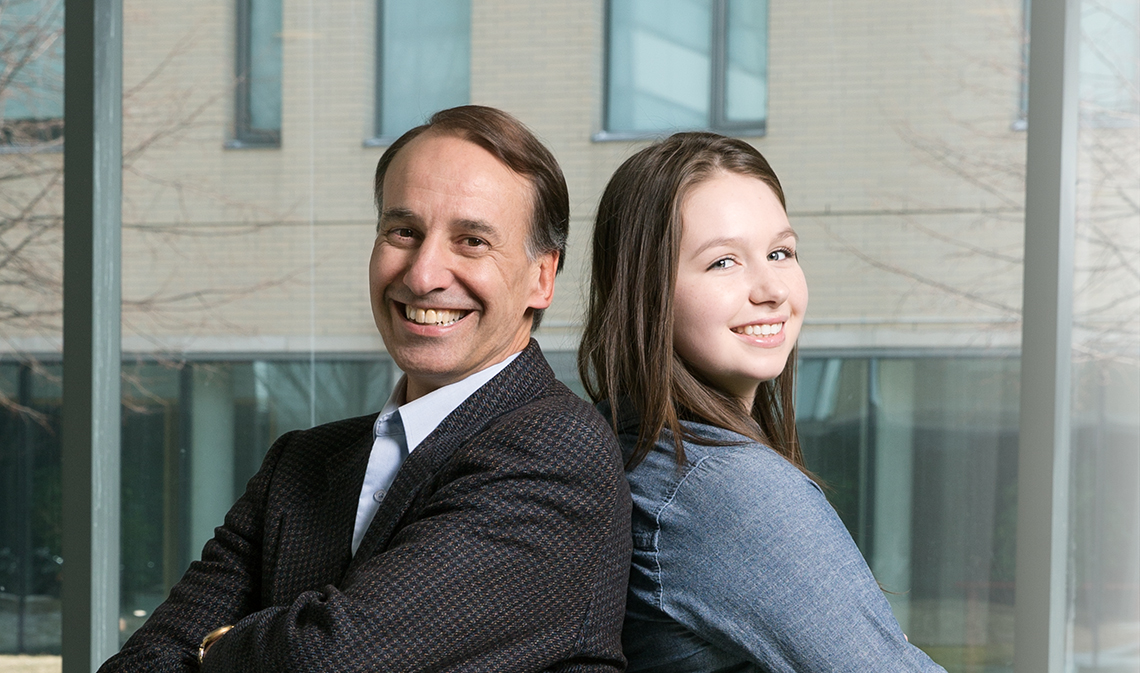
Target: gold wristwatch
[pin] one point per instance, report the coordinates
(210, 639)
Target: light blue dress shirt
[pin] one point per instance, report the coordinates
(400, 428)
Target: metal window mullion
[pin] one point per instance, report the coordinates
(1045, 421)
(719, 63)
(243, 61)
(91, 331)
(378, 108)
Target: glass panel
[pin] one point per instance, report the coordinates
(426, 61)
(746, 76)
(30, 514)
(31, 71)
(31, 257)
(265, 65)
(1104, 582)
(919, 456)
(659, 65)
(193, 435)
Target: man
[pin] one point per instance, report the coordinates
(481, 520)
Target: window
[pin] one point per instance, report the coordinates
(423, 62)
(257, 101)
(31, 71)
(687, 64)
(1110, 65)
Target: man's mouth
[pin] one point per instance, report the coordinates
(767, 329)
(432, 316)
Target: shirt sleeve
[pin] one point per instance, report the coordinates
(754, 560)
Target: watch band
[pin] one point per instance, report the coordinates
(210, 639)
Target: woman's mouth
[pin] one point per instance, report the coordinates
(766, 329)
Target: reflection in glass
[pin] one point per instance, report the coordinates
(31, 71)
(920, 456)
(30, 514)
(193, 435)
(1104, 501)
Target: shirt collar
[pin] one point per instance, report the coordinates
(421, 416)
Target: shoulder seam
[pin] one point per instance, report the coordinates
(657, 529)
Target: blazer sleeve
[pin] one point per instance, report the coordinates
(780, 582)
(519, 536)
(219, 589)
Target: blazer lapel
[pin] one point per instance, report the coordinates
(521, 381)
(319, 520)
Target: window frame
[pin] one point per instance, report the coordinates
(379, 138)
(245, 134)
(718, 84)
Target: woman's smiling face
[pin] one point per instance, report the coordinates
(741, 295)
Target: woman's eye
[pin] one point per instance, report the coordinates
(723, 263)
(781, 254)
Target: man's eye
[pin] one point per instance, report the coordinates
(401, 232)
(474, 242)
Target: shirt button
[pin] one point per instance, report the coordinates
(378, 496)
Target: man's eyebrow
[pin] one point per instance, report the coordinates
(477, 227)
(397, 213)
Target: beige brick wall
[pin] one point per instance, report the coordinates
(889, 124)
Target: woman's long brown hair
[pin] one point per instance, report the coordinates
(626, 356)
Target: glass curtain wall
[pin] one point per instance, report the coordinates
(1104, 516)
(919, 457)
(896, 128)
(31, 234)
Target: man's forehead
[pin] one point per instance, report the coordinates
(442, 156)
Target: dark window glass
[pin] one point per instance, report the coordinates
(258, 72)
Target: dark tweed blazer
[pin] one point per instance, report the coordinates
(503, 545)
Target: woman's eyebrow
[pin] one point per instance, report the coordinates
(729, 241)
(788, 232)
(726, 241)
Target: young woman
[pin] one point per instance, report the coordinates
(697, 297)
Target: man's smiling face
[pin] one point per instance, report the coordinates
(452, 286)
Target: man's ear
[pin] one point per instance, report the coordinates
(542, 293)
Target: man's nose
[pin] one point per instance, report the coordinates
(429, 268)
(768, 286)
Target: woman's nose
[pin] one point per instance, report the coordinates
(768, 287)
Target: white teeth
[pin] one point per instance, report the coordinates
(432, 316)
(761, 330)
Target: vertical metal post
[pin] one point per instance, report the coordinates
(91, 330)
(25, 467)
(1045, 425)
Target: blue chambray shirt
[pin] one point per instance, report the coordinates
(741, 564)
